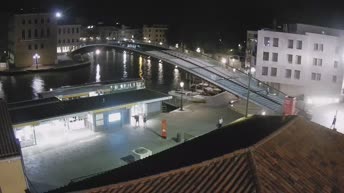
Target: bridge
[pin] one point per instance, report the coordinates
(230, 79)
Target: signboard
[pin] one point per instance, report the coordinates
(289, 105)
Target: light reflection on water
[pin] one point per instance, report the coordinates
(114, 65)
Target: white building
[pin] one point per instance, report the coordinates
(302, 61)
(155, 33)
(68, 38)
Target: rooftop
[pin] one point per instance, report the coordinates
(8, 142)
(261, 154)
(49, 108)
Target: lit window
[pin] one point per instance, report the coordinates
(114, 117)
(266, 41)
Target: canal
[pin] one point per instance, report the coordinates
(108, 65)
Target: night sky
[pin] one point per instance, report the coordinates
(200, 22)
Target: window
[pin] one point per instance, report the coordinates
(321, 47)
(298, 59)
(265, 71)
(334, 79)
(42, 33)
(266, 41)
(29, 33)
(35, 21)
(314, 75)
(42, 21)
(29, 21)
(29, 47)
(68, 30)
(290, 58)
(77, 30)
(59, 30)
(68, 40)
(36, 33)
(114, 117)
(316, 47)
(317, 62)
(64, 30)
(288, 73)
(318, 76)
(48, 32)
(266, 56)
(48, 20)
(73, 31)
(297, 74)
(291, 44)
(72, 40)
(299, 45)
(59, 41)
(274, 57)
(275, 42)
(23, 34)
(335, 64)
(273, 72)
(36, 47)
(23, 22)
(99, 119)
(42, 46)
(64, 41)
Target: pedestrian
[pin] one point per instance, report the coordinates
(144, 120)
(136, 117)
(267, 90)
(334, 121)
(219, 125)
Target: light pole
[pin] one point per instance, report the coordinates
(181, 101)
(36, 57)
(250, 72)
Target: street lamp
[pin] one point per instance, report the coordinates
(36, 57)
(198, 50)
(224, 60)
(181, 101)
(250, 72)
(97, 52)
(58, 14)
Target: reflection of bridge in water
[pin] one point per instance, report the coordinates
(229, 79)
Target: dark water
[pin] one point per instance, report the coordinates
(109, 65)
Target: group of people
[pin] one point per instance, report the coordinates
(137, 120)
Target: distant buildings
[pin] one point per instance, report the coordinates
(302, 60)
(68, 37)
(30, 35)
(155, 33)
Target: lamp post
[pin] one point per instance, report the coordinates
(250, 72)
(36, 57)
(181, 101)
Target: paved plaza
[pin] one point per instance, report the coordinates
(49, 167)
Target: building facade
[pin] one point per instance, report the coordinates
(302, 61)
(29, 35)
(155, 33)
(68, 38)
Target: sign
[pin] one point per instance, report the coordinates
(289, 105)
(164, 128)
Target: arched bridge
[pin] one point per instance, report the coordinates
(229, 79)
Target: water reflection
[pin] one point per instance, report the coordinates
(98, 73)
(125, 72)
(140, 68)
(176, 77)
(149, 69)
(37, 85)
(160, 73)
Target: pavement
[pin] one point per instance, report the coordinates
(54, 166)
(324, 115)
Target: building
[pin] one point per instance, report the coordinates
(32, 40)
(128, 33)
(12, 177)
(68, 38)
(155, 33)
(251, 48)
(302, 60)
(79, 111)
(281, 154)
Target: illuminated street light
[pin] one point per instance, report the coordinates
(36, 57)
(160, 43)
(198, 50)
(149, 41)
(181, 94)
(97, 52)
(224, 60)
(234, 69)
(58, 14)
(177, 45)
(263, 113)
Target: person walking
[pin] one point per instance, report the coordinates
(333, 125)
(136, 117)
(219, 125)
(144, 120)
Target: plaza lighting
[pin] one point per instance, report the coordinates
(149, 41)
(263, 113)
(181, 84)
(97, 52)
(177, 45)
(160, 43)
(234, 69)
(198, 50)
(224, 60)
